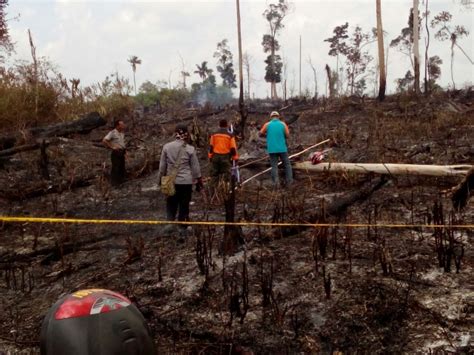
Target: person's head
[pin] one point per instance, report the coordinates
(223, 123)
(274, 114)
(181, 131)
(119, 125)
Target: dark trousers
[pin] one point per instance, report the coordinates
(286, 164)
(220, 167)
(179, 203)
(117, 173)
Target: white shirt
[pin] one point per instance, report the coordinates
(116, 138)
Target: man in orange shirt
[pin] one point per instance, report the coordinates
(222, 151)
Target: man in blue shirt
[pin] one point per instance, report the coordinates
(277, 133)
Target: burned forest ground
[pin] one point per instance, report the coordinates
(322, 290)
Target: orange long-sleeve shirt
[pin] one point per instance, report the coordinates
(223, 142)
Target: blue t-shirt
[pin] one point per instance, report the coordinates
(276, 139)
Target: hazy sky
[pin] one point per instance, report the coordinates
(91, 39)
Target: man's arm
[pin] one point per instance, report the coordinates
(233, 149)
(107, 141)
(211, 147)
(287, 130)
(263, 131)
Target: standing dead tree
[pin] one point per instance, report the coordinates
(382, 74)
(447, 32)
(315, 77)
(35, 68)
(243, 113)
(246, 60)
(331, 84)
(416, 47)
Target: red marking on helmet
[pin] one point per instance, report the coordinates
(89, 302)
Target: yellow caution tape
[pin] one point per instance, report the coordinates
(217, 223)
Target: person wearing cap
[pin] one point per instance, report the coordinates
(188, 171)
(277, 133)
(222, 151)
(115, 141)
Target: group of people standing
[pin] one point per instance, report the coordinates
(181, 157)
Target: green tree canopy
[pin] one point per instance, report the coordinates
(5, 41)
(225, 64)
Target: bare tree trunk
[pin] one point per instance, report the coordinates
(273, 84)
(243, 113)
(315, 78)
(134, 83)
(246, 63)
(426, 48)
(383, 78)
(300, 67)
(35, 66)
(416, 48)
(183, 71)
(331, 89)
(230, 242)
(452, 62)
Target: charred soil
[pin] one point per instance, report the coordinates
(372, 289)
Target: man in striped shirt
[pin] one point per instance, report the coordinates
(277, 134)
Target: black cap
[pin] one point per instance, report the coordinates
(223, 123)
(181, 129)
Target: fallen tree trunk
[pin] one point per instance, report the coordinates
(390, 169)
(70, 164)
(81, 126)
(462, 193)
(27, 147)
(19, 149)
(338, 207)
(195, 115)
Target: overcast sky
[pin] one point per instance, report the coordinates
(91, 39)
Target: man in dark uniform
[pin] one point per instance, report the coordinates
(115, 140)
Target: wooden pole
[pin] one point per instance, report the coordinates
(35, 67)
(416, 48)
(300, 66)
(382, 75)
(243, 114)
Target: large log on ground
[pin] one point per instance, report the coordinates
(339, 206)
(82, 125)
(195, 115)
(70, 164)
(27, 147)
(390, 169)
(463, 192)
